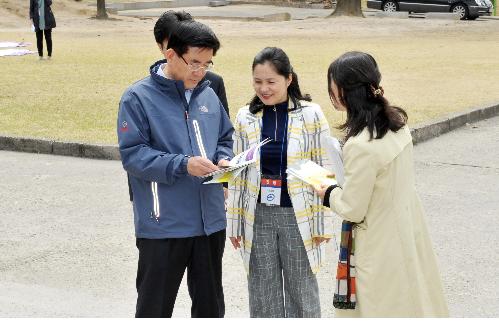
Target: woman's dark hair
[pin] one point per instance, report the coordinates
(357, 77)
(277, 58)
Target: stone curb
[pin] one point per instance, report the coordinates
(420, 133)
(429, 130)
(442, 15)
(74, 149)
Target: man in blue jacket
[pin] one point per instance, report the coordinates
(172, 128)
(163, 28)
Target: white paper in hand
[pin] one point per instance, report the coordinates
(312, 173)
(333, 150)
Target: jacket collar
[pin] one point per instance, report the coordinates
(167, 84)
(296, 123)
(392, 144)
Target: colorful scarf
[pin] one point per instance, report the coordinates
(344, 295)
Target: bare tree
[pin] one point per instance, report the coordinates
(347, 8)
(101, 9)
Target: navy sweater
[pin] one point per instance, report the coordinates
(274, 154)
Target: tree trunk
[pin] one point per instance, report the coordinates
(347, 8)
(101, 9)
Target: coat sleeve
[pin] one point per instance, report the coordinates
(31, 9)
(138, 157)
(235, 218)
(323, 219)
(352, 202)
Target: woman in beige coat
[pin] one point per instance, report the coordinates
(387, 266)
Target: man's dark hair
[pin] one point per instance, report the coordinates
(167, 23)
(190, 33)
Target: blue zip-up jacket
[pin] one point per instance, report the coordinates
(157, 130)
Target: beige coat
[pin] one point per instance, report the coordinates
(397, 273)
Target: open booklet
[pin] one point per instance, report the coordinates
(236, 165)
(313, 174)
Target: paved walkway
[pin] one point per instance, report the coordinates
(253, 12)
(67, 245)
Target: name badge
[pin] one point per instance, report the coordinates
(271, 190)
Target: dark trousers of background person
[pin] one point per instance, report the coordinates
(48, 40)
(162, 263)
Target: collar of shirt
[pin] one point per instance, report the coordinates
(160, 72)
(282, 106)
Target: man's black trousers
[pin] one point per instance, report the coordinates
(162, 264)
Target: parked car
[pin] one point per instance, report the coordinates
(467, 9)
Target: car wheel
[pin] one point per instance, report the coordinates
(390, 6)
(461, 9)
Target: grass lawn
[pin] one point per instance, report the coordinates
(75, 96)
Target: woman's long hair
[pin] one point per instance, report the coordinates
(277, 58)
(357, 77)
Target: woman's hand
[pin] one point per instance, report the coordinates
(235, 241)
(318, 240)
(321, 190)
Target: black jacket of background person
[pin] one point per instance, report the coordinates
(49, 16)
(217, 84)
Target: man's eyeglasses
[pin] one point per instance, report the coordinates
(194, 67)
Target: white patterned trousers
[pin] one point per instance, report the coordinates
(280, 281)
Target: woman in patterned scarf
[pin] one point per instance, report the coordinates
(43, 21)
(387, 266)
(278, 222)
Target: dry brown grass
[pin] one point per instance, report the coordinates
(430, 67)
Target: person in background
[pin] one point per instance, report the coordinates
(387, 267)
(279, 222)
(43, 20)
(172, 128)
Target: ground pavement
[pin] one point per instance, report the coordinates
(265, 12)
(67, 245)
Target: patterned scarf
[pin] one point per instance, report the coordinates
(344, 295)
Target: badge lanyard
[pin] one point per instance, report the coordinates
(271, 185)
